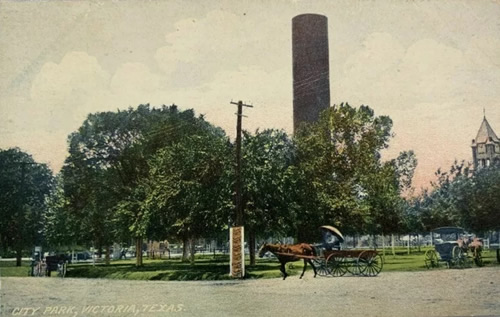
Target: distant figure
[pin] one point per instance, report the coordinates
(123, 253)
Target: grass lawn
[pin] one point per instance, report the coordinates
(205, 268)
(415, 261)
(208, 268)
(9, 268)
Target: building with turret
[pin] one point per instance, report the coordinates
(485, 147)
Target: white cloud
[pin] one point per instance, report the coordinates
(222, 41)
(431, 72)
(77, 72)
(384, 70)
(62, 94)
(428, 88)
(380, 54)
(133, 80)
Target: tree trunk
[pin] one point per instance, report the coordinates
(383, 248)
(108, 253)
(19, 253)
(185, 243)
(409, 238)
(392, 245)
(193, 249)
(138, 252)
(251, 246)
(150, 253)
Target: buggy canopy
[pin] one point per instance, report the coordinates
(333, 231)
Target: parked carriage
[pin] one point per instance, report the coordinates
(456, 249)
(45, 266)
(327, 258)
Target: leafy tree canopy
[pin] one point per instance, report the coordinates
(24, 186)
(340, 179)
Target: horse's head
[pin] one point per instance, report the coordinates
(476, 243)
(263, 249)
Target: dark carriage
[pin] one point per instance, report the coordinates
(456, 249)
(52, 263)
(57, 263)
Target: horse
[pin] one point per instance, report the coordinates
(294, 250)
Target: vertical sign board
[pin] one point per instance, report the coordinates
(237, 256)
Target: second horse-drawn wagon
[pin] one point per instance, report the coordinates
(455, 248)
(327, 258)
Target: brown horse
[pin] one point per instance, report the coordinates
(288, 253)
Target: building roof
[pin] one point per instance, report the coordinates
(486, 133)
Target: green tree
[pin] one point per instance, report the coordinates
(189, 187)
(108, 163)
(478, 200)
(62, 230)
(438, 207)
(267, 155)
(24, 186)
(472, 197)
(334, 159)
(392, 182)
(91, 192)
(405, 165)
(383, 200)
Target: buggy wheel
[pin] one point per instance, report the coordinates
(352, 266)
(336, 265)
(321, 267)
(370, 263)
(478, 258)
(458, 257)
(431, 259)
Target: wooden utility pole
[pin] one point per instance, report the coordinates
(236, 233)
(239, 184)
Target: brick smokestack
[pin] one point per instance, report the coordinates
(311, 77)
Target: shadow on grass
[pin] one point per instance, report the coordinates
(205, 268)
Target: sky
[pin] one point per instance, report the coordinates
(432, 66)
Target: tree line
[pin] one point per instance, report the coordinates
(157, 173)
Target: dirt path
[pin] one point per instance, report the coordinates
(433, 293)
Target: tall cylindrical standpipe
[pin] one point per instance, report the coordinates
(311, 78)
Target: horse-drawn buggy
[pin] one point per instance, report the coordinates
(41, 266)
(455, 248)
(327, 258)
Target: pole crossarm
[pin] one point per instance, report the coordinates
(241, 102)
